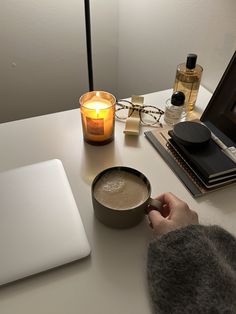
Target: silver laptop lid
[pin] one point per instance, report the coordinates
(40, 225)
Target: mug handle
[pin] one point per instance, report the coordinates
(155, 204)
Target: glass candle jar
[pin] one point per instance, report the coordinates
(98, 117)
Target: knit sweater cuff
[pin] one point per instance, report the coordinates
(193, 270)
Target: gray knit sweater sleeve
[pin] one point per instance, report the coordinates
(193, 270)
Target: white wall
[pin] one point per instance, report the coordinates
(104, 33)
(137, 45)
(156, 35)
(43, 65)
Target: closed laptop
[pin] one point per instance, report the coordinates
(40, 224)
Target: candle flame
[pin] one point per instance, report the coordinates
(97, 110)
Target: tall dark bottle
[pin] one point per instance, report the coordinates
(187, 80)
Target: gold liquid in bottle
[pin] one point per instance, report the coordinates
(188, 78)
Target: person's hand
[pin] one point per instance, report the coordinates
(175, 214)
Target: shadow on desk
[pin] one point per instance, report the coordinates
(122, 253)
(132, 140)
(97, 158)
(221, 199)
(74, 269)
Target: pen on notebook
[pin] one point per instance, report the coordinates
(229, 151)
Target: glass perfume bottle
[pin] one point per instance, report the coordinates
(187, 80)
(174, 111)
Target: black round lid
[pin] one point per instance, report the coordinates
(191, 61)
(177, 99)
(190, 133)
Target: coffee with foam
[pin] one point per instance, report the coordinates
(121, 190)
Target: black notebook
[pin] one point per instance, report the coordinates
(208, 183)
(208, 159)
(195, 183)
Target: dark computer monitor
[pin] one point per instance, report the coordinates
(220, 113)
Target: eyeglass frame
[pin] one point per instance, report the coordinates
(140, 109)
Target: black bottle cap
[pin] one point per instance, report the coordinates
(178, 98)
(191, 61)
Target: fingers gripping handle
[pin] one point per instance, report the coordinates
(155, 204)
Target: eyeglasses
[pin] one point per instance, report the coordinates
(149, 115)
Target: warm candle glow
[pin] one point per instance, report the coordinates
(97, 105)
(98, 111)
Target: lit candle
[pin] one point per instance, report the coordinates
(98, 117)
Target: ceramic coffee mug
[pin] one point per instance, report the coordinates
(120, 197)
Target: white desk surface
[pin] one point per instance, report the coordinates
(113, 278)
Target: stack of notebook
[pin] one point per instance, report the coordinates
(209, 163)
(201, 170)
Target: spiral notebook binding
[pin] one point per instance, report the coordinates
(175, 155)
